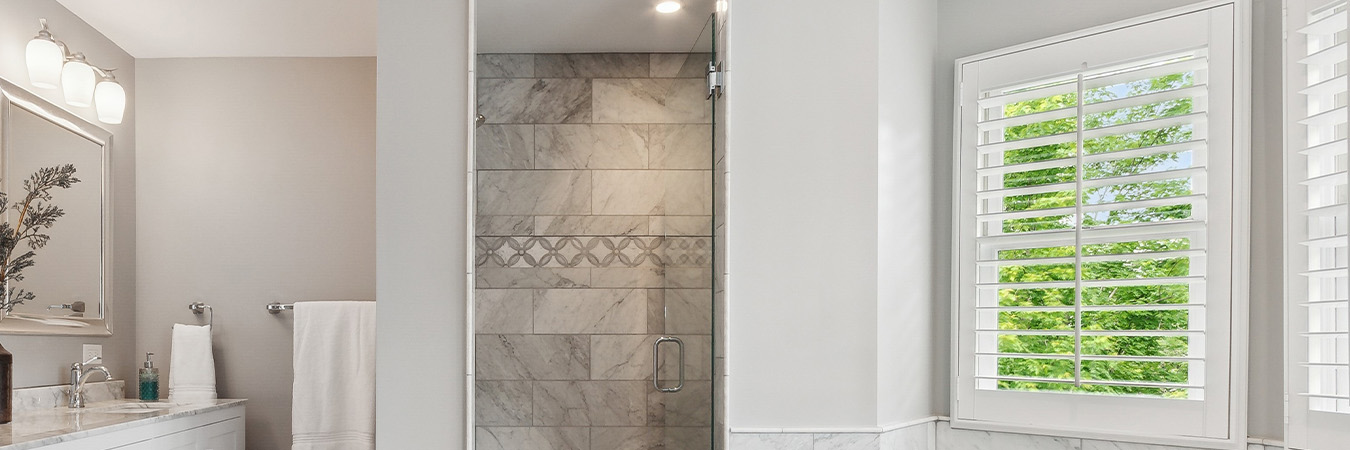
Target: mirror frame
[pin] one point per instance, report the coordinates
(12, 96)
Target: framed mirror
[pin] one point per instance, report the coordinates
(64, 291)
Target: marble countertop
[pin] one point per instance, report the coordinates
(37, 428)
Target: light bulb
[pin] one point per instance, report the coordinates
(44, 61)
(77, 80)
(667, 7)
(110, 100)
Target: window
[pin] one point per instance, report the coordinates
(1096, 240)
(1316, 275)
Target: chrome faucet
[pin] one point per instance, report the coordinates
(79, 376)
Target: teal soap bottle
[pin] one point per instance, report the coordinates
(149, 380)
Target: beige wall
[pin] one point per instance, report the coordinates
(258, 185)
(46, 360)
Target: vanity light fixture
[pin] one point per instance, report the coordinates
(110, 99)
(77, 81)
(45, 57)
(668, 7)
(51, 64)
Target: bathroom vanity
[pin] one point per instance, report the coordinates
(129, 425)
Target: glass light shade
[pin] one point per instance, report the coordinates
(77, 80)
(110, 101)
(44, 63)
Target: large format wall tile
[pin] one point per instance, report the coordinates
(527, 278)
(503, 403)
(590, 403)
(532, 357)
(949, 438)
(914, 437)
(504, 225)
(504, 147)
(776, 441)
(534, 100)
(591, 311)
(592, 65)
(681, 147)
(697, 359)
(848, 441)
(621, 357)
(653, 100)
(503, 311)
(1089, 444)
(591, 146)
(690, 407)
(534, 192)
(636, 438)
(680, 65)
(681, 225)
(536, 438)
(505, 66)
(688, 311)
(591, 226)
(652, 192)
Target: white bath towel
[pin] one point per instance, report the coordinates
(334, 402)
(192, 367)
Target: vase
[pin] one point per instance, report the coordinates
(6, 386)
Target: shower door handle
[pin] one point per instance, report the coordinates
(656, 363)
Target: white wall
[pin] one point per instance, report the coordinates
(905, 241)
(257, 184)
(421, 224)
(830, 159)
(968, 27)
(46, 360)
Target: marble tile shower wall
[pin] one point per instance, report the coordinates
(594, 233)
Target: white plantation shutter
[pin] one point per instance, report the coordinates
(1317, 277)
(1095, 187)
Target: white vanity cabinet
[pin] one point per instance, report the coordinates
(221, 429)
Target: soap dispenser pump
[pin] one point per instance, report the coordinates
(149, 380)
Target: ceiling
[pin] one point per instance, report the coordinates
(233, 28)
(268, 28)
(559, 26)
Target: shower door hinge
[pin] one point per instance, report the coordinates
(717, 80)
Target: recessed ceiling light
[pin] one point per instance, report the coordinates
(667, 7)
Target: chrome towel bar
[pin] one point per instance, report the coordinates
(278, 307)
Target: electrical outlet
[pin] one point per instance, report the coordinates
(90, 351)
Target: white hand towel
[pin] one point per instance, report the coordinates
(192, 367)
(334, 402)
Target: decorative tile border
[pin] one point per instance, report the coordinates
(596, 251)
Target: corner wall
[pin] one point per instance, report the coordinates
(829, 275)
(42, 360)
(422, 193)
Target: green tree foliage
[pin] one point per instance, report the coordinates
(1155, 294)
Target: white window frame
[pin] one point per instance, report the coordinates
(1305, 428)
(1235, 433)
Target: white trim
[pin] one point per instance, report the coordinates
(839, 430)
(471, 216)
(1239, 236)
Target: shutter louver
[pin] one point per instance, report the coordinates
(1317, 225)
(1091, 261)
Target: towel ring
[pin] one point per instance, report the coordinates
(198, 307)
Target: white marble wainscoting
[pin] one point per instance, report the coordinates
(935, 435)
(47, 397)
(919, 436)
